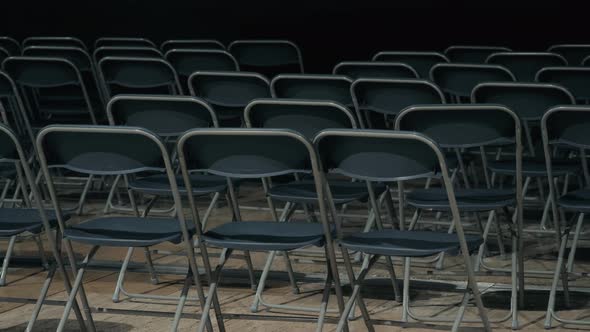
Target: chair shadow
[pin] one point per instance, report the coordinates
(535, 300)
(71, 326)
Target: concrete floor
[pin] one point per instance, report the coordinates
(433, 292)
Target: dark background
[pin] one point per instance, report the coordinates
(326, 31)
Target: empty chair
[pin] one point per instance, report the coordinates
(13, 112)
(228, 92)
(10, 45)
(137, 75)
(126, 51)
(371, 69)
(315, 87)
(255, 154)
(525, 65)
(123, 42)
(54, 41)
(30, 221)
(372, 156)
(575, 79)
(39, 78)
(420, 61)
(103, 150)
(472, 54)
(191, 44)
(376, 101)
(268, 57)
(188, 61)
(566, 126)
(573, 53)
(458, 80)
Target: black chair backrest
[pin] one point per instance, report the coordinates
(228, 92)
(123, 42)
(525, 65)
(188, 61)
(389, 97)
(16, 116)
(371, 69)
(164, 115)
(573, 53)
(10, 45)
(126, 51)
(567, 125)
(378, 155)
(101, 150)
(316, 87)
(575, 79)
(77, 56)
(529, 100)
(246, 152)
(137, 75)
(191, 44)
(420, 61)
(472, 54)
(54, 41)
(307, 117)
(463, 125)
(458, 80)
(268, 57)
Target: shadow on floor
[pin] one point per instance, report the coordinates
(535, 300)
(71, 326)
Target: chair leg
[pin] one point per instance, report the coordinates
(262, 282)
(406, 290)
(574, 246)
(150, 266)
(460, 313)
(121, 278)
(213, 289)
(325, 299)
(83, 195)
(109, 201)
(41, 299)
(357, 282)
(86, 307)
(6, 261)
(182, 301)
(482, 247)
(556, 276)
(39, 243)
(75, 288)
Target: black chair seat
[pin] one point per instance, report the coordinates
(265, 235)
(305, 192)
(407, 243)
(578, 201)
(127, 231)
(534, 168)
(202, 184)
(14, 221)
(467, 199)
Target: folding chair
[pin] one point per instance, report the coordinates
(54, 41)
(472, 54)
(573, 53)
(458, 80)
(314, 87)
(530, 101)
(370, 69)
(13, 113)
(377, 100)
(188, 61)
(420, 61)
(256, 154)
(575, 79)
(307, 117)
(566, 126)
(10, 45)
(525, 65)
(181, 113)
(385, 156)
(123, 42)
(39, 78)
(102, 150)
(78, 57)
(228, 92)
(28, 220)
(468, 127)
(191, 44)
(124, 75)
(126, 51)
(267, 57)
